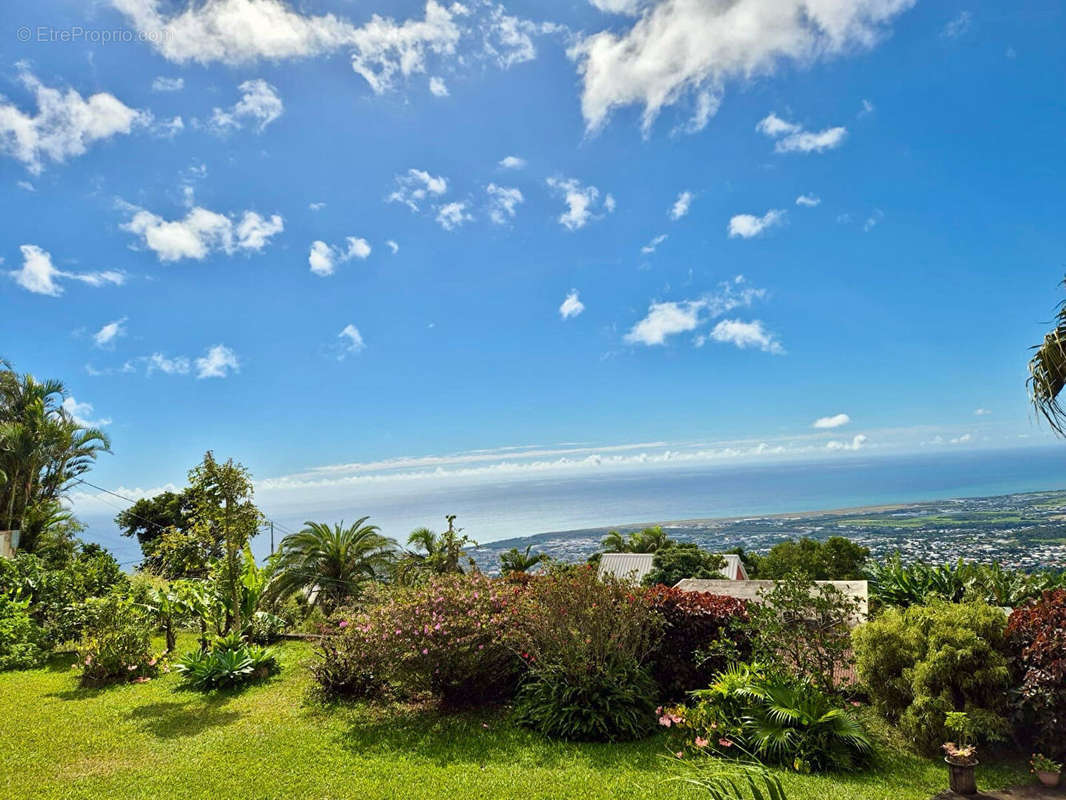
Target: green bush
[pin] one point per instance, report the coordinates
(116, 645)
(586, 644)
(21, 639)
(749, 710)
(835, 559)
(228, 664)
(679, 560)
(613, 704)
(920, 663)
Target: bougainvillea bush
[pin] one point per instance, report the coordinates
(447, 637)
(701, 634)
(586, 644)
(1037, 637)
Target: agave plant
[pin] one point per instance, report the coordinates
(718, 780)
(230, 663)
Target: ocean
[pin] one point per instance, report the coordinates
(503, 510)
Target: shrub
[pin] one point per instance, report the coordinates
(21, 639)
(586, 642)
(116, 645)
(806, 627)
(777, 718)
(343, 667)
(920, 663)
(612, 704)
(447, 637)
(228, 664)
(1037, 639)
(702, 634)
(677, 561)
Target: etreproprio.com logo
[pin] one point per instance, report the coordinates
(76, 34)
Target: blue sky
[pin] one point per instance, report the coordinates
(336, 241)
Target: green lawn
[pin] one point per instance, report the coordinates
(156, 740)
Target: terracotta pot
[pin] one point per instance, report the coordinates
(961, 778)
(1048, 778)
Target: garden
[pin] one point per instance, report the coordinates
(347, 664)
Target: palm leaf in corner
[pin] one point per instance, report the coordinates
(1047, 374)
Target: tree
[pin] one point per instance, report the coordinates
(1047, 373)
(435, 554)
(683, 560)
(330, 562)
(149, 519)
(223, 508)
(43, 450)
(515, 560)
(648, 540)
(835, 559)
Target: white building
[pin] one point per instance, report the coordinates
(634, 566)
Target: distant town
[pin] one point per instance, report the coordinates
(1021, 531)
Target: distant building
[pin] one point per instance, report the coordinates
(753, 591)
(9, 542)
(635, 566)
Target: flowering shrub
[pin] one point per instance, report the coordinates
(702, 634)
(748, 711)
(447, 637)
(1037, 637)
(116, 645)
(586, 643)
(920, 663)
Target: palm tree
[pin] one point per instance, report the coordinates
(330, 563)
(1047, 373)
(649, 540)
(614, 542)
(434, 553)
(515, 560)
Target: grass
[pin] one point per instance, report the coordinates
(271, 740)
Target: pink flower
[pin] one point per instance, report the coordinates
(425, 651)
(725, 743)
(856, 703)
(342, 624)
(679, 754)
(152, 663)
(701, 742)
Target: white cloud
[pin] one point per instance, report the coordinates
(628, 7)
(512, 162)
(808, 200)
(451, 215)
(856, 443)
(437, 87)
(981, 412)
(164, 84)
(682, 50)
(352, 340)
(395, 248)
(747, 225)
(29, 187)
(746, 335)
(966, 438)
(792, 138)
(649, 248)
(665, 319)
(835, 421)
(873, 220)
(106, 336)
(508, 40)
(958, 25)
(502, 202)
(867, 108)
(82, 413)
(64, 126)
(259, 103)
(571, 306)
(217, 362)
(413, 187)
(316, 206)
(581, 202)
(202, 232)
(40, 276)
(157, 362)
(324, 258)
(681, 205)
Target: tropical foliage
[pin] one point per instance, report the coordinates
(1037, 637)
(229, 663)
(834, 559)
(330, 564)
(116, 646)
(679, 560)
(430, 553)
(514, 560)
(22, 641)
(647, 540)
(1047, 373)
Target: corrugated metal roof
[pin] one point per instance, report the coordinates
(634, 566)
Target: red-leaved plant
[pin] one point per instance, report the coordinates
(1036, 634)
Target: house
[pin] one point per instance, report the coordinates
(635, 566)
(753, 591)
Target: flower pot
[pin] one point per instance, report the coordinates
(961, 778)
(1048, 778)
